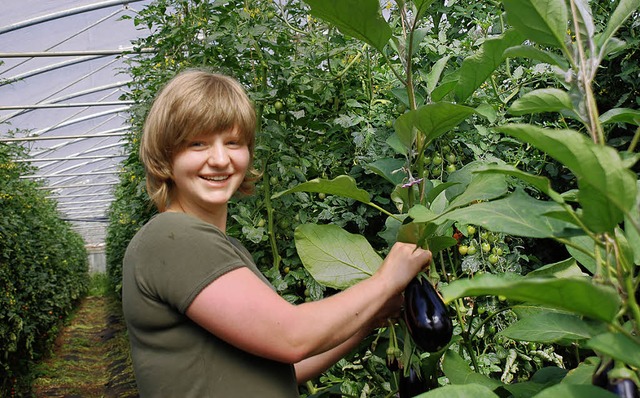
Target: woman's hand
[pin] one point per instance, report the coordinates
(402, 264)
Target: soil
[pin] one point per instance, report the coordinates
(91, 357)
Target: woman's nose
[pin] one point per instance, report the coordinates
(218, 155)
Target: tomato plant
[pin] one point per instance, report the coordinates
(43, 272)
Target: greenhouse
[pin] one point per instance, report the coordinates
(499, 140)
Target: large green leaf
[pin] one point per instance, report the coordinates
(575, 391)
(632, 234)
(583, 373)
(607, 188)
(421, 7)
(477, 68)
(624, 10)
(621, 115)
(577, 295)
(541, 100)
(542, 21)
(458, 371)
(549, 327)
(617, 346)
(361, 19)
(459, 391)
(433, 120)
(342, 186)
(482, 187)
(533, 53)
(335, 257)
(561, 269)
(517, 214)
(543, 184)
(389, 168)
(579, 247)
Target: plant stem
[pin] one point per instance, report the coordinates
(586, 74)
(465, 337)
(271, 229)
(634, 141)
(312, 389)
(375, 206)
(631, 300)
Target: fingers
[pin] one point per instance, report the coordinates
(414, 253)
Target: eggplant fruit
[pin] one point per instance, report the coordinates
(411, 385)
(624, 388)
(426, 316)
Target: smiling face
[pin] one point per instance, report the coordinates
(190, 113)
(207, 172)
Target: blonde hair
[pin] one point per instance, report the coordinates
(192, 103)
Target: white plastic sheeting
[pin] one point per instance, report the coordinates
(61, 80)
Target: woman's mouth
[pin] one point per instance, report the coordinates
(215, 178)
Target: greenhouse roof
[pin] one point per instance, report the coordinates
(62, 76)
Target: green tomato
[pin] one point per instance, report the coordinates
(463, 249)
(471, 230)
(284, 223)
(273, 180)
(261, 223)
(451, 168)
(472, 250)
(486, 247)
(446, 149)
(436, 171)
(321, 195)
(282, 117)
(278, 105)
(493, 259)
(484, 235)
(437, 160)
(388, 123)
(426, 160)
(451, 158)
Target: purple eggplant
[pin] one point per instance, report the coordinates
(624, 388)
(426, 316)
(411, 385)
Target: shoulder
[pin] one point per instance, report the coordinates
(178, 227)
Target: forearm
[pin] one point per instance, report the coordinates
(332, 321)
(312, 367)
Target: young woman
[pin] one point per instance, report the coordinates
(202, 320)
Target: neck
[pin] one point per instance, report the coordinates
(217, 218)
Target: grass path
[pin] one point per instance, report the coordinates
(91, 357)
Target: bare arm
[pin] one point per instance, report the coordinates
(239, 308)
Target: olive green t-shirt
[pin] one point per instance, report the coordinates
(167, 263)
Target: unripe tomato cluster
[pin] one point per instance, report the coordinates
(485, 244)
(442, 159)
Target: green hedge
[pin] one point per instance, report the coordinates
(43, 272)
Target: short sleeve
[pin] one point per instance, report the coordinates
(181, 255)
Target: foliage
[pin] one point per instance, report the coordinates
(43, 271)
(597, 221)
(412, 136)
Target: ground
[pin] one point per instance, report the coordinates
(90, 357)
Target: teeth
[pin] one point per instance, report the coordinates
(216, 178)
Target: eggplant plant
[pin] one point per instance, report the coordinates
(589, 301)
